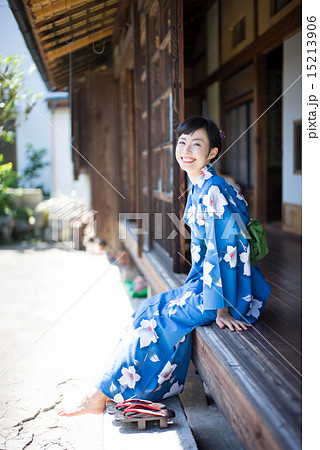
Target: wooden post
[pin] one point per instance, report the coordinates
(130, 141)
(137, 115)
(117, 136)
(260, 138)
(150, 180)
(74, 107)
(179, 178)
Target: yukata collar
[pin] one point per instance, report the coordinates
(206, 172)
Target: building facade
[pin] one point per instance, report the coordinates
(135, 69)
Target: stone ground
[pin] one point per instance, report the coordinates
(61, 311)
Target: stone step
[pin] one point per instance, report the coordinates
(207, 423)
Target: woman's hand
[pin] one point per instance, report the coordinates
(225, 319)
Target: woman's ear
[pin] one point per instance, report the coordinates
(213, 153)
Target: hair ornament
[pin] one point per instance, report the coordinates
(222, 135)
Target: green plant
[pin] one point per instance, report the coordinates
(8, 179)
(12, 92)
(34, 166)
(22, 212)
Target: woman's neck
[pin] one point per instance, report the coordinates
(194, 177)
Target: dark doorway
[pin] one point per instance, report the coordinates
(274, 135)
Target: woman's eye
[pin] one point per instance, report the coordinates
(181, 142)
(196, 144)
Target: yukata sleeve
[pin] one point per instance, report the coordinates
(220, 267)
(212, 282)
(198, 250)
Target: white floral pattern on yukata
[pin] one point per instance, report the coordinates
(152, 357)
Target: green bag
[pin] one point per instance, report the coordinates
(258, 242)
(129, 287)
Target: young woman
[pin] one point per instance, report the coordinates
(152, 357)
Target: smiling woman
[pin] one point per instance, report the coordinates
(199, 143)
(152, 357)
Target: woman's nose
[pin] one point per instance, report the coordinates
(187, 148)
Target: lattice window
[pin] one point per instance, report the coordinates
(239, 32)
(161, 92)
(277, 5)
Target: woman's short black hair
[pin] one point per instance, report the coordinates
(194, 123)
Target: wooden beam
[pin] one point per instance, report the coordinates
(39, 46)
(77, 15)
(76, 45)
(76, 35)
(54, 31)
(45, 9)
(238, 101)
(41, 12)
(78, 69)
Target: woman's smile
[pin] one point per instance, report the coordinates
(186, 159)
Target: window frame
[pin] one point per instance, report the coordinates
(297, 146)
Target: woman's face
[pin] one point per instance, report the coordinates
(192, 152)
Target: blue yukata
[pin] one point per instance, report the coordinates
(153, 354)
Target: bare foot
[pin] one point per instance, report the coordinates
(94, 403)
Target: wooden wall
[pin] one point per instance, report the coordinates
(95, 137)
(292, 218)
(106, 186)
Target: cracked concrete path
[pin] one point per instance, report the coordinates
(60, 315)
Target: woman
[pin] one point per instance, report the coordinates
(152, 357)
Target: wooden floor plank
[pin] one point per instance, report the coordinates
(281, 282)
(273, 356)
(285, 330)
(287, 278)
(283, 256)
(285, 296)
(284, 305)
(285, 353)
(287, 312)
